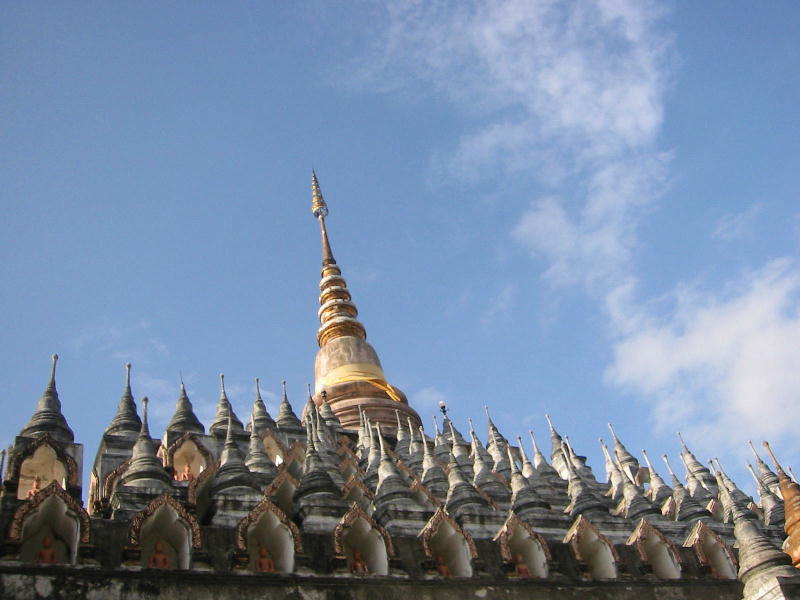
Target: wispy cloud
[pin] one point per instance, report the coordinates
(737, 226)
(724, 361)
(572, 95)
(500, 305)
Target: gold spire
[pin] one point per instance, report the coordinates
(337, 313)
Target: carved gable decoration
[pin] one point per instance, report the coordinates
(196, 483)
(578, 529)
(507, 530)
(356, 512)
(639, 536)
(695, 540)
(263, 507)
(432, 526)
(112, 478)
(150, 509)
(29, 506)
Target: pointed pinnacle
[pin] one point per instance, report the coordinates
(550, 423)
(258, 389)
(775, 460)
(52, 383)
(647, 460)
(533, 441)
(669, 469)
(318, 206)
(613, 433)
(685, 447)
(145, 426)
(127, 376)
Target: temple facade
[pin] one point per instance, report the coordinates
(348, 497)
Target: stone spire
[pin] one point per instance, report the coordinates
(693, 485)
(221, 421)
(126, 421)
(686, 508)
(760, 562)
(392, 488)
(415, 454)
(627, 461)
(232, 471)
(258, 461)
(494, 433)
(697, 468)
(287, 420)
(458, 449)
(184, 420)
(765, 474)
(477, 448)
(316, 482)
(48, 418)
(790, 491)
(737, 494)
(539, 461)
(634, 505)
(524, 498)
(260, 418)
(528, 470)
(441, 447)
(558, 458)
(614, 475)
(326, 412)
(484, 479)
(145, 469)
(460, 493)
(433, 476)
(401, 447)
(659, 491)
(582, 499)
(346, 366)
(771, 505)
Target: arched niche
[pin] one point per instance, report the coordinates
(37, 470)
(358, 537)
(49, 527)
(657, 550)
(592, 548)
(266, 527)
(445, 542)
(165, 528)
(188, 451)
(712, 551)
(281, 490)
(520, 544)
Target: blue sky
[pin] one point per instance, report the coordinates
(584, 209)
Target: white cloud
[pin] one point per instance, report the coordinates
(500, 305)
(727, 362)
(737, 226)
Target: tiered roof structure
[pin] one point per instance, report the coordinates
(354, 491)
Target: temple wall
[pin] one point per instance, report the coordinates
(29, 583)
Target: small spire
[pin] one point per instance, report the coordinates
(659, 491)
(686, 507)
(287, 420)
(765, 475)
(184, 420)
(224, 409)
(125, 421)
(258, 461)
(146, 469)
(47, 419)
(260, 418)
